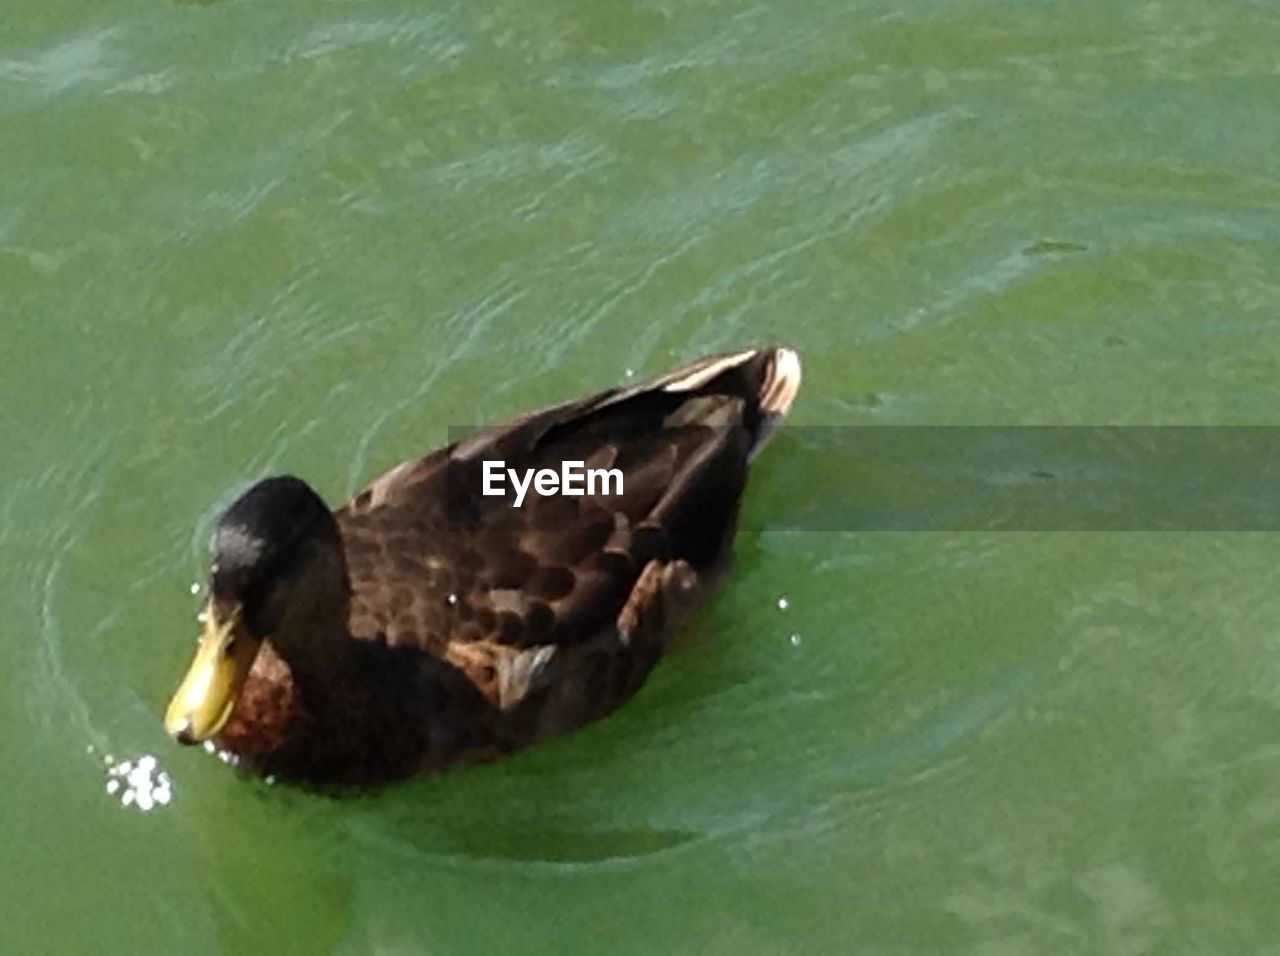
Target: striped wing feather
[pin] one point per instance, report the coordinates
(436, 564)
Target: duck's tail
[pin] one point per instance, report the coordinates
(766, 379)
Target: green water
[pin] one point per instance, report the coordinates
(247, 237)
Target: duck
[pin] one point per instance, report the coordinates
(441, 618)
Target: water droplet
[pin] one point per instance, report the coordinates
(629, 373)
(783, 603)
(452, 599)
(795, 640)
(195, 587)
(139, 783)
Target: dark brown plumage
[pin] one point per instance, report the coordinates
(425, 624)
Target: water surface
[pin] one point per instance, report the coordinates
(239, 238)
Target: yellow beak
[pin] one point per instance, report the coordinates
(204, 700)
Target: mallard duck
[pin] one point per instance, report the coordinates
(427, 623)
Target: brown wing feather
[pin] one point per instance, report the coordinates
(493, 588)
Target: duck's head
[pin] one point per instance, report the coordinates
(277, 563)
